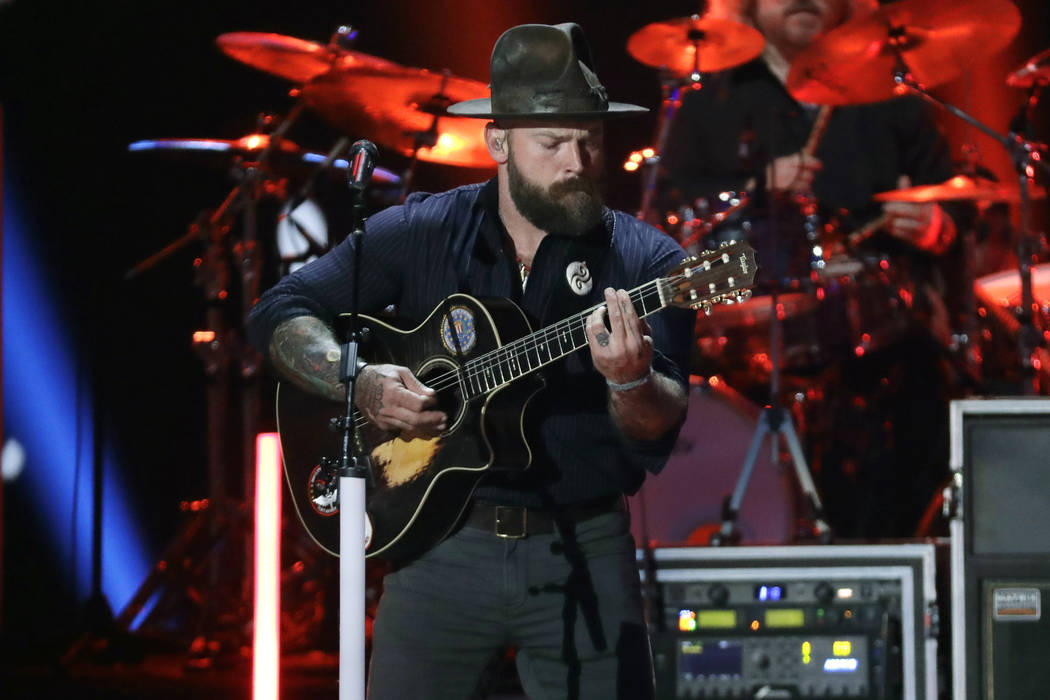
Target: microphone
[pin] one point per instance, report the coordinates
(362, 158)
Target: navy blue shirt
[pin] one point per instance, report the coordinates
(417, 253)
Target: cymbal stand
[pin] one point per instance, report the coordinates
(774, 420)
(437, 105)
(1027, 156)
(671, 91)
(220, 348)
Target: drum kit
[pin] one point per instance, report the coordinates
(831, 297)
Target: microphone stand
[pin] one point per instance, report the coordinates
(352, 470)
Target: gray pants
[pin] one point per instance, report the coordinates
(569, 603)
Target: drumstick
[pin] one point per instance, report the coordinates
(866, 230)
(817, 132)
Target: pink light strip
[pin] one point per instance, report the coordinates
(267, 639)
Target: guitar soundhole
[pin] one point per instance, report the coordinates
(440, 375)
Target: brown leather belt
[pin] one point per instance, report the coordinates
(517, 522)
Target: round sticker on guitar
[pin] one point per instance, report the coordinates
(323, 491)
(463, 321)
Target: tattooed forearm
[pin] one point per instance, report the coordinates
(304, 350)
(602, 338)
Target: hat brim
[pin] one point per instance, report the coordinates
(482, 109)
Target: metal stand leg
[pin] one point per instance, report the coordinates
(775, 422)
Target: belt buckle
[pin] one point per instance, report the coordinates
(511, 522)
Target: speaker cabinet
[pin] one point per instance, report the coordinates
(1000, 548)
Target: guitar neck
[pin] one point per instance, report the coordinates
(536, 350)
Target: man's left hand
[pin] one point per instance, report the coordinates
(923, 224)
(623, 352)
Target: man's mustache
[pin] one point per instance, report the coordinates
(577, 184)
(803, 6)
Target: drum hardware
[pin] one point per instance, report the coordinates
(775, 421)
(220, 538)
(681, 48)
(842, 68)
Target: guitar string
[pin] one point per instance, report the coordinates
(479, 365)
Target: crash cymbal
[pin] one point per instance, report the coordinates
(958, 188)
(1035, 70)
(222, 152)
(297, 60)
(695, 43)
(938, 39)
(398, 106)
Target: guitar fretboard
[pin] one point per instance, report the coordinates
(528, 354)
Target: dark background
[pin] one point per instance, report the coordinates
(80, 81)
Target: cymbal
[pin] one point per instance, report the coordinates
(396, 106)
(1035, 70)
(755, 311)
(286, 156)
(695, 43)
(855, 62)
(958, 188)
(295, 59)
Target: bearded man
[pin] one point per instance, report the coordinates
(543, 560)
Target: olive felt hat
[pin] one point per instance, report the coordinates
(542, 71)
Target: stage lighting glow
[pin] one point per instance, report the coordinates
(46, 413)
(266, 642)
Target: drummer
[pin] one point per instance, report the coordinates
(876, 455)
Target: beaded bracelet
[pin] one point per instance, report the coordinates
(630, 385)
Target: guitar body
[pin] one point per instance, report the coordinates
(421, 486)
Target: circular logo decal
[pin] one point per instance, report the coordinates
(323, 491)
(463, 321)
(579, 277)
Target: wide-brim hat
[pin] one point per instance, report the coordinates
(542, 71)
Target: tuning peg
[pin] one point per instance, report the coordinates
(743, 295)
(690, 259)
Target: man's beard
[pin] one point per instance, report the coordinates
(570, 208)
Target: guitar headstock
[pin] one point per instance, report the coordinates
(722, 276)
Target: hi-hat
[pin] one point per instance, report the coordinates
(284, 158)
(295, 59)
(938, 39)
(1035, 70)
(402, 108)
(958, 188)
(696, 43)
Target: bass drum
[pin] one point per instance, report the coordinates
(686, 497)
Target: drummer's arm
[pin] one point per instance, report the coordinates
(926, 225)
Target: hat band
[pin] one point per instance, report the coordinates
(533, 101)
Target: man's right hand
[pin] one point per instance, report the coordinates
(792, 173)
(393, 399)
